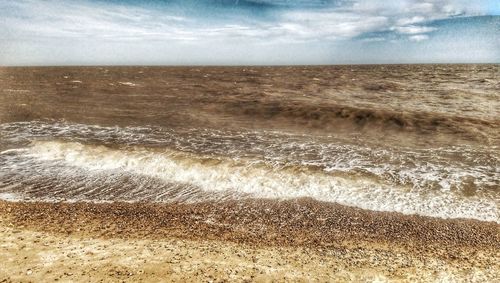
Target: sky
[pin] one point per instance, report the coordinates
(248, 32)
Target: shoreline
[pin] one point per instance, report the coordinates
(295, 222)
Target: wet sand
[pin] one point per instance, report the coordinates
(259, 240)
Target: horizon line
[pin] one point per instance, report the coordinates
(247, 65)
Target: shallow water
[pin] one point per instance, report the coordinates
(411, 139)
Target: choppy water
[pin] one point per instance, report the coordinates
(425, 142)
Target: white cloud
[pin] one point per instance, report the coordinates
(71, 19)
(374, 39)
(329, 24)
(413, 29)
(418, 37)
(30, 27)
(66, 19)
(410, 20)
(428, 9)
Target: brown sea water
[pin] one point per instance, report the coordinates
(418, 139)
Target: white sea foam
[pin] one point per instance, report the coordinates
(458, 168)
(15, 90)
(127, 83)
(460, 181)
(10, 197)
(260, 179)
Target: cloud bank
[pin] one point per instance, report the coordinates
(247, 32)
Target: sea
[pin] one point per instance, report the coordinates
(411, 139)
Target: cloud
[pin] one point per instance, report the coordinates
(374, 39)
(418, 37)
(327, 24)
(215, 25)
(293, 20)
(73, 20)
(413, 29)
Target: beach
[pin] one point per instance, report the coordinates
(157, 242)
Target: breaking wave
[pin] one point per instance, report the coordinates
(340, 116)
(77, 171)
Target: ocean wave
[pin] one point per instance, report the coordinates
(100, 173)
(338, 116)
(468, 170)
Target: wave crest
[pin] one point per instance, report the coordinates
(236, 179)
